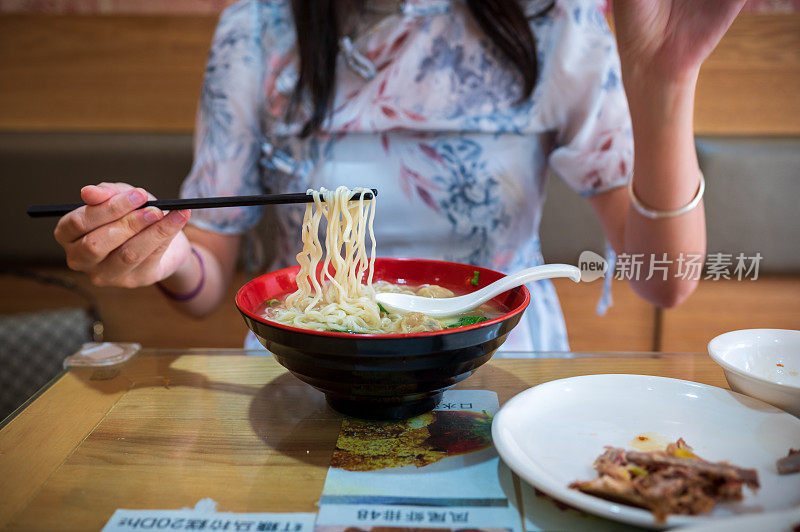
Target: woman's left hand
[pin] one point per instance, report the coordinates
(670, 38)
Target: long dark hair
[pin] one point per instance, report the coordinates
(318, 24)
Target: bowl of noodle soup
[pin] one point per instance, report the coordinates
(320, 320)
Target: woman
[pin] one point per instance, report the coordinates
(454, 110)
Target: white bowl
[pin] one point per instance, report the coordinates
(762, 363)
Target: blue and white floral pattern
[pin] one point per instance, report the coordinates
(436, 126)
(470, 198)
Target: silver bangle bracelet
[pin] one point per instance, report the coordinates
(656, 215)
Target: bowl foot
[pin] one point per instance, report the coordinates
(383, 410)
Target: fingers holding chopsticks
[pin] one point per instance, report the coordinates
(105, 204)
(97, 194)
(147, 257)
(116, 242)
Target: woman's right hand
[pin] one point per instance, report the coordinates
(118, 245)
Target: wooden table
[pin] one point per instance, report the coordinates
(172, 427)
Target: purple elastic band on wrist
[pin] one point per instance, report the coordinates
(186, 297)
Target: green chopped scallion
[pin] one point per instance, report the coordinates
(475, 278)
(463, 321)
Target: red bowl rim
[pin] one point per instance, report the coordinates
(386, 336)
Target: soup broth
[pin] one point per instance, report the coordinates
(411, 322)
(342, 297)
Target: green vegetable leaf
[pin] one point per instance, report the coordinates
(463, 321)
(471, 320)
(475, 277)
(273, 302)
(383, 309)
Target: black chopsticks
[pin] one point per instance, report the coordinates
(41, 211)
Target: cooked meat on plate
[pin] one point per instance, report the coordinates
(672, 481)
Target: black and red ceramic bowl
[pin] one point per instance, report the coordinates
(384, 376)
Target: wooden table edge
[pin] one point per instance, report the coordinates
(11, 508)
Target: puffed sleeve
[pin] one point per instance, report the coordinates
(227, 135)
(588, 110)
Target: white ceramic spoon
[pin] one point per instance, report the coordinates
(452, 306)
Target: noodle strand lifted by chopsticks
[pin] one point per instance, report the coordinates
(342, 301)
(339, 298)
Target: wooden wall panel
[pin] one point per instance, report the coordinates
(143, 73)
(721, 306)
(103, 73)
(749, 84)
(144, 316)
(141, 315)
(629, 325)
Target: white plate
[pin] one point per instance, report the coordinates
(551, 434)
(768, 522)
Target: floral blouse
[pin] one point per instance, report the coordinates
(427, 112)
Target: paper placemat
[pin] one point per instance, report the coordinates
(204, 516)
(437, 470)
